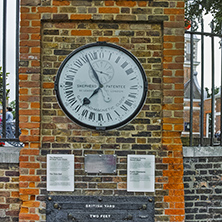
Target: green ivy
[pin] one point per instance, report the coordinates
(1, 86)
(195, 9)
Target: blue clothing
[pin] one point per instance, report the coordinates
(9, 116)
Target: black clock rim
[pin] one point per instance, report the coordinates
(115, 126)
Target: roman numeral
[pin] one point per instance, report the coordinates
(68, 84)
(133, 78)
(85, 113)
(77, 108)
(117, 60)
(78, 63)
(116, 113)
(73, 70)
(134, 87)
(100, 117)
(72, 101)
(132, 95)
(124, 64)
(69, 93)
(123, 107)
(92, 116)
(129, 71)
(83, 59)
(69, 77)
(128, 102)
(101, 55)
(93, 55)
(110, 55)
(109, 117)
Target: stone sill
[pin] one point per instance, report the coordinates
(9, 154)
(208, 151)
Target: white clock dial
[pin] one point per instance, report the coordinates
(101, 86)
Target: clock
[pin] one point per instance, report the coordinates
(101, 86)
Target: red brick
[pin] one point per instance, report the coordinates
(173, 39)
(173, 11)
(80, 17)
(30, 16)
(29, 165)
(29, 152)
(35, 50)
(174, 211)
(109, 3)
(173, 199)
(35, 36)
(35, 105)
(29, 178)
(142, 3)
(126, 3)
(47, 9)
(48, 85)
(31, 204)
(172, 160)
(23, 216)
(108, 10)
(60, 3)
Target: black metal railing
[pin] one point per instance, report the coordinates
(200, 140)
(5, 135)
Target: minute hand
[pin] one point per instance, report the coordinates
(94, 73)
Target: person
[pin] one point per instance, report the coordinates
(9, 115)
(217, 135)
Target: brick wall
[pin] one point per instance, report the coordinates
(9, 192)
(153, 31)
(202, 184)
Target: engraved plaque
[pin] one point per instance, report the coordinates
(60, 172)
(141, 173)
(100, 163)
(100, 209)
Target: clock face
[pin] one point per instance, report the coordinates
(101, 86)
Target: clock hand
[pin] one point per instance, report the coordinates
(104, 93)
(101, 72)
(87, 100)
(106, 97)
(94, 73)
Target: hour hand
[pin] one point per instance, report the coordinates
(86, 100)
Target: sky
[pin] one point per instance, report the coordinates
(208, 57)
(10, 45)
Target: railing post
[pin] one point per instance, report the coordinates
(4, 70)
(202, 87)
(221, 90)
(191, 86)
(17, 72)
(212, 87)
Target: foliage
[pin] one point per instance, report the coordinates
(12, 105)
(195, 9)
(216, 90)
(1, 86)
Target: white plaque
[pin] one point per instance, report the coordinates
(141, 173)
(60, 172)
